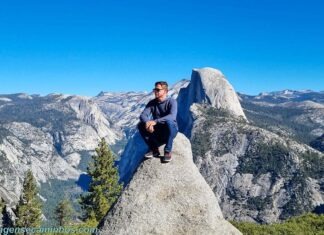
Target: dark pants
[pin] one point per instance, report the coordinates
(164, 133)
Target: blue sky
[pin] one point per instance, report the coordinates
(84, 47)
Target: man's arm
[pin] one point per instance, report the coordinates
(172, 116)
(145, 115)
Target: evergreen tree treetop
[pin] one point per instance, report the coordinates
(104, 188)
(29, 208)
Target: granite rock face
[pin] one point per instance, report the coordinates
(170, 198)
(257, 175)
(131, 157)
(208, 86)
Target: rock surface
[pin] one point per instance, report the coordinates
(131, 157)
(170, 198)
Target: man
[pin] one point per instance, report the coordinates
(158, 122)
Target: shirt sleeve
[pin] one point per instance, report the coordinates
(172, 116)
(147, 113)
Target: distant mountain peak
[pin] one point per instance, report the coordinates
(209, 86)
(217, 90)
(208, 70)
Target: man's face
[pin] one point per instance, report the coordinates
(159, 92)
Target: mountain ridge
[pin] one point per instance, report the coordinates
(31, 131)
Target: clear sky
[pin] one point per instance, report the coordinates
(84, 47)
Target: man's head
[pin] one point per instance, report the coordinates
(161, 90)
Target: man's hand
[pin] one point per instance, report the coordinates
(150, 126)
(151, 129)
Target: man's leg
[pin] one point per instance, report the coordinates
(172, 131)
(148, 137)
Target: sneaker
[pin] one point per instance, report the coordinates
(167, 157)
(148, 155)
(152, 153)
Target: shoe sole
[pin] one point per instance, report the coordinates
(148, 156)
(167, 160)
(152, 156)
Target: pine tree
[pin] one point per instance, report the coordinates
(64, 213)
(29, 208)
(104, 188)
(2, 203)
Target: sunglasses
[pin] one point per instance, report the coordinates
(157, 89)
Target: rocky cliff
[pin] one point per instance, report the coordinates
(168, 198)
(258, 175)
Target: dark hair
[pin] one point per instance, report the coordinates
(163, 84)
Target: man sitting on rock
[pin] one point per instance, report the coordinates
(158, 122)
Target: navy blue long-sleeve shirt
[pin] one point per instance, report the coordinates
(160, 111)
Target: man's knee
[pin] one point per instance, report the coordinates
(171, 125)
